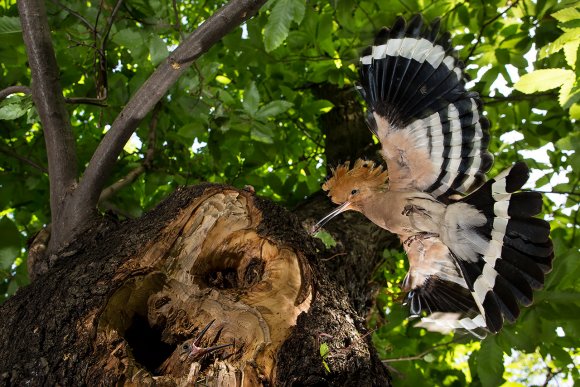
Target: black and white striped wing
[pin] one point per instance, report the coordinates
(432, 131)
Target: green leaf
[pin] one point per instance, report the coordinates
(192, 130)
(571, 52)
(10, 25)
(575, 111)
(319, 106)
(324, 34)
(223, 79)
(326, 367)
(14, 107)
(463, 14)
(543, 80)
(278, 25)
(569, 40)
(502, 55)
(262, 133)
(543, 6)
(273, 108)
(566, 264)
(10, 243)
(157, 50)
(567, 14)
(490, 363)
(561, 357)
(326, 238)
(251, 99)
(566, 90)
(128, 38)
(518, 61)
(324, 350)
(298, 9)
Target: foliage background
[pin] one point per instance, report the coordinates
(246, 113)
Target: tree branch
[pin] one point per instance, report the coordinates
(558, 192)
(15, 155)
(421, 355)
(102, 81)
(177, 19)
(75, 14)
(484, 25)
(13, 90)
(143, 101)
(110, 24)
(73, 100)
(50, 104)
(573, 238)
(86, 101)
(488, 100)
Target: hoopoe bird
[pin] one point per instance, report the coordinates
(476, 252)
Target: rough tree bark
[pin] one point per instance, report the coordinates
(128, 294)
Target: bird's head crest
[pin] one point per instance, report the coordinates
(345, 180)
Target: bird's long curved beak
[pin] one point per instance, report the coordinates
(343, 207)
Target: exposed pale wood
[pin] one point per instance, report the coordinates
(210, 264)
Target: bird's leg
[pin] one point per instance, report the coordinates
(420, 237)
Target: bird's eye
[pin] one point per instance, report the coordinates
(354, 191)
(185, 346)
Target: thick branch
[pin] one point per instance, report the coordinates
(50, 104)
(104, 158)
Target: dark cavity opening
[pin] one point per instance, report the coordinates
(146, 344)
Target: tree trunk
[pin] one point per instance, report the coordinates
(119, 304)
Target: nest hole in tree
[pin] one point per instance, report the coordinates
(234, 270)
(126, 314)
(146, 344)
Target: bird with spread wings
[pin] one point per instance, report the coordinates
(476, 252)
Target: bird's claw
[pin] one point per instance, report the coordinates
(412, 208)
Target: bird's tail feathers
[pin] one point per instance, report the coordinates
(510, 250)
